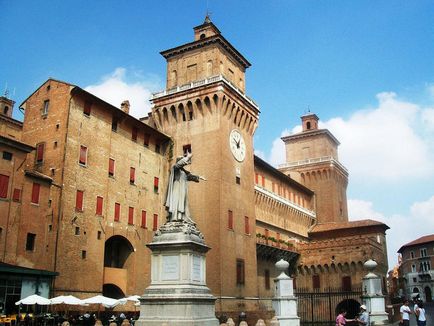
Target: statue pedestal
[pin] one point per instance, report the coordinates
(178, 294)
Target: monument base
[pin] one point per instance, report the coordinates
(178, 295)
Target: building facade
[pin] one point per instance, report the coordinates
(102, 176)
(416, 271)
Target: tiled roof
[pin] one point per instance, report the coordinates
(421, 240)
(324, 227)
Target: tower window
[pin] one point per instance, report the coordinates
(87, 108)
(79, 201)
(131, 215)
(83, 155)
(4, 185)
(7, 156)
(117, 212)
(240, 272)
(132, 175)
(6, 110)
(99, 205)
(30, 241)
(155, 226)
(77, 230)
(156, 184)
(134, 134)
(146, 139)
(114, 124)
(83, 254)
(40, 153)
(230, 220)
(202, 36)
(111, 170)
(45, 107)
(308, 125)
(35, 193)
(144, 220)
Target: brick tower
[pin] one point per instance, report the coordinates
(205, 110)
(312, 159)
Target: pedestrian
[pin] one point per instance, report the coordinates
(363, 319)
(420, 313)
(341, 320)
(405, 313)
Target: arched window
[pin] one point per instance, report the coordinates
(6, 110)
(202, 36)
(308, 125)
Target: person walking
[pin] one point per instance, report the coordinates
(420, 313)
(405, 314)
(341, 320)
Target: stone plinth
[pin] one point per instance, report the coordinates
(178, 294)
(284, 301)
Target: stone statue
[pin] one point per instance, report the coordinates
(177, 190)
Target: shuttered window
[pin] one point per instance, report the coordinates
(79, 201)
(132, 175)
(230, 220)
(4, 185)
(16, 196)
(99, 205)
(117, 212)
(155, 226)
(35, 193)
(40, 153)
(156, 182)
(111, 169)
(83, 155)
(240, 272)
(144, 220)
(131, 215)
(246, 225)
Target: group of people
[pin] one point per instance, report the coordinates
(362, 319)
(418, 311)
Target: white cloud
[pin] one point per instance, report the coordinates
(419, 221)
(117, 87)
(278, 154)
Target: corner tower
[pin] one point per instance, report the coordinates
(205, 110)
(312, 159)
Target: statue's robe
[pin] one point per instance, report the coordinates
(177, 192)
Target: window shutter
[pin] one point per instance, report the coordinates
(230, 220)
(256, 178)
(4, 185)
(16, 195)
(35, 193)
(40, 153)
(117, 212)
(263, 181)
(132, 175)
(83, 154)
(143, 219)
(111, 170)
(246, 225)
(99, 204)
(156, 181)
(155, 226)
(131, 215)
(79, 201)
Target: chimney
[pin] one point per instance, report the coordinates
(125, 106)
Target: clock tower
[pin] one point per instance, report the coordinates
(205, 110)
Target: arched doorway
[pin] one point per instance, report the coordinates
(352, 307)
(428, 294)
(117, 251)
(112, 291)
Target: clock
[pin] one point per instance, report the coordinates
(237, 145)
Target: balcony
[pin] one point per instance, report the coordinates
(203, 82)
(425, 276)
(116, 276)
(269, 248)
(323, 159)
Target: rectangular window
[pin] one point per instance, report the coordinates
(131, 215)
(156, 182)
(186, 149)
(246, 225)
(35, 193)
(117, 212)
(230, 220)
(256, 178)
(77, 230)
(16, 196)
(83, 254)
(413, 268)
(346, 283)
(83, 155)
(99, 204)
(262, 181)
(45, 108)
(79, 201)
(111, 169)
(7, 156)
(4, 185)
(273, 187)
(132, 175)
(155, 226)
(30, 241)
(146, 139)
(423, 252)
(237, 180)
(98, 235)
(143, 220)
(40, 153)
(134, 134)
(157, 148)
(87, 108)
(411, 254)
(114, 124)
(315, 282)
(240, 272)
(267, 279)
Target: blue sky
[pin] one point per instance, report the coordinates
(366, 68)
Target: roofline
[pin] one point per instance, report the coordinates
(379, 224)
(311, 133)
(280, 174)
(409, 245)
(38, 175)
(206, 24)
(8, 268)
(49, 79)
(16, 144)
(203, 42)
(12, 120)
(79, 90)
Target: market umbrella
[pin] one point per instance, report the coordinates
(67, 299)
(134, 298)
(34, 299)
(102, 300)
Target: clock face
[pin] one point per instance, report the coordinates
(237, 145)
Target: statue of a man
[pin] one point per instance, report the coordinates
(177, 190)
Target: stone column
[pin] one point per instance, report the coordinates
(284, 302)
(373, 296)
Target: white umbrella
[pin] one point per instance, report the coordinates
(67, 299)
(134, 298)
(34, 299)
(100, 299)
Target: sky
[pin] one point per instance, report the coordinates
(366, 68)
